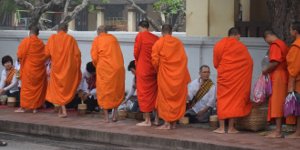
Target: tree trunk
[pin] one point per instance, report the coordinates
(283, 13)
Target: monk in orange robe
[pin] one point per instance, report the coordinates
(234, 66)
(170, 61)
(145, 73)
(293, 62)
(110, 80)
(31, 55)
(65, 74)
(277, 68)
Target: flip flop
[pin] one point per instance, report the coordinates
(3, 143)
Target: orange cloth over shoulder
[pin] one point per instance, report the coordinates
(65, 74)
(234, 66)
(170, 61)
(293, 63)
(110, 81)
(279, 77)
(145, 73)
(31, 54)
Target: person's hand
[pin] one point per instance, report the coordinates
(264, 71)
(2, 91)
(85, 96)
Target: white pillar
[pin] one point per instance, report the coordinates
(14, 21)
(245, 4)
(197, 17)
(72, 25)
(100, 16)
(221, 17)
(131, 20)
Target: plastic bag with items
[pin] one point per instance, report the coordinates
(262, 89)
(291, 106)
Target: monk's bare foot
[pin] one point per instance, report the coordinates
(219, 131)
(20, 110)
(115, 116)
(274, 134)
(34, 111)
(164, 127)
(106, 120)
(62, 115)
(293, 136)
(114, 120)
(156, 123)
(232, 131)
(144, 124)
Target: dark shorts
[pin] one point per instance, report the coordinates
(16, 95)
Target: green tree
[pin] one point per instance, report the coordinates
(171, 12)
(37, 8)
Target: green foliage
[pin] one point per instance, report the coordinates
(169, 7)
(7, 6)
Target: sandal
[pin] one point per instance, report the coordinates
(3, 143)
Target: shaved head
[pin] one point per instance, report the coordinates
(233, 31)
(102, 29)
(63, 27)
(34, 30)
(166, 29)
(269, 32)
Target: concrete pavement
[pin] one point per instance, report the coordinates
(90, 128)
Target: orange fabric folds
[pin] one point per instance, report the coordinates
(65, 74)
(234, 66)
(170, 61)
(145, 74)
(31, 54)
(110, 81)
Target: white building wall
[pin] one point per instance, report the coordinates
(198, 49)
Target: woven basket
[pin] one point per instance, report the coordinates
(255, 121)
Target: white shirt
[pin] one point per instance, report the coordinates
(132, 90)
(13, 87)
(84, 85)
(209, 99)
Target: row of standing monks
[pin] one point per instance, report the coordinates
(161, 74)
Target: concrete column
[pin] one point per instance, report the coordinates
(72, 25)
(131, 20)
(197, 17)
(100, 16)
(245, 4)
(14, 21)
(221, 17)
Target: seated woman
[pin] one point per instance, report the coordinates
(9, 81)
(87, 90)
(130, 103)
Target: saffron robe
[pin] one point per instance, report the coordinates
(234, 66)
(145, 74)
(110, 80)
(170, 61)
(279, 77)
(65, 74)
(31, 55)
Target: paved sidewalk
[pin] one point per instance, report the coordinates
(124, 132)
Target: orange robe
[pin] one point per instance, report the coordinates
(170, 61)
(31, 54)
(65, 74)
(234, 66)
(145, 74)
(279, 77)
(293, 62)
(110, 81)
